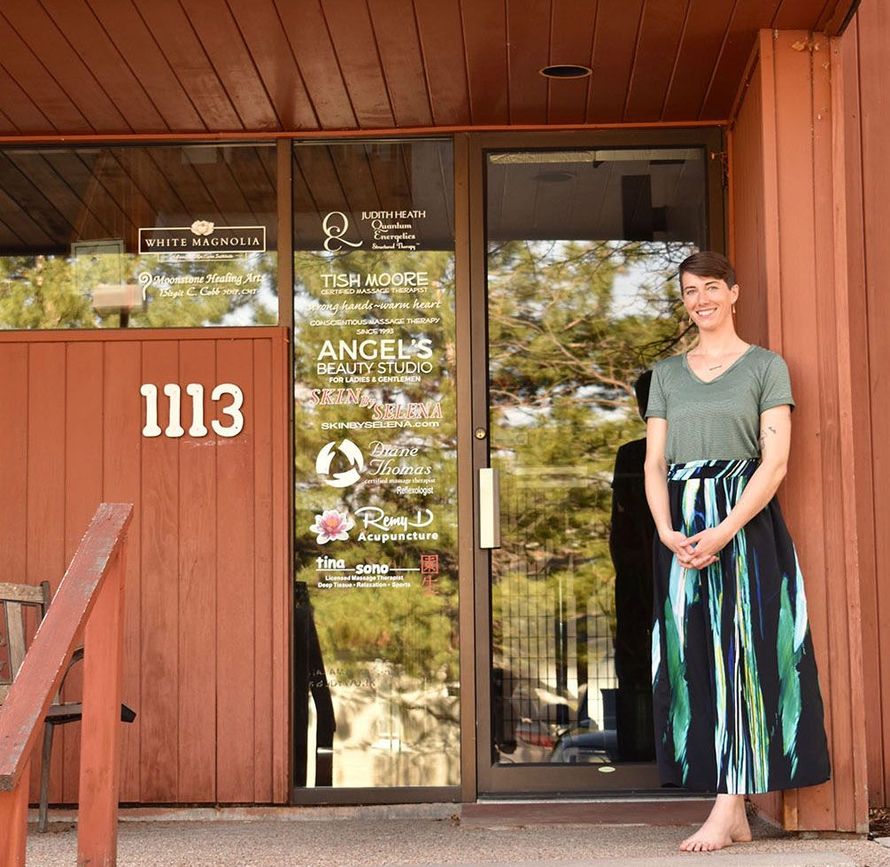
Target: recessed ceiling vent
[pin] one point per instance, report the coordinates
(566, 70)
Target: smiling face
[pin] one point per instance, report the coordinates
(708, 301)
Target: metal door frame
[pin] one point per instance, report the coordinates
(479, 777)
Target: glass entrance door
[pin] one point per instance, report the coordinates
(581, 247)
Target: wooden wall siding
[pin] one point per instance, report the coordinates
(202, 66)
(746, 208)
(862, 55)
(797, 232)
(207, 589)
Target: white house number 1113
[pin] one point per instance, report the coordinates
(230, 427)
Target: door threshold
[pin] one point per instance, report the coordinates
(663, 811)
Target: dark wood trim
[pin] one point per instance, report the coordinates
(104, 335)
(382, 795)
(307, 135)
(479, 419)
(718, 168)
(285, 196)
(466, 542)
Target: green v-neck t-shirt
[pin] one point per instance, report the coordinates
(720, 419)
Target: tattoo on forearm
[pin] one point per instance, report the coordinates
(763, 434)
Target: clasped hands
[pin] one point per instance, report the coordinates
(698, 551)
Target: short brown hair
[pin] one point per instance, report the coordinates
(708, 263)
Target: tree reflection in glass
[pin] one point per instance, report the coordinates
(571, 326)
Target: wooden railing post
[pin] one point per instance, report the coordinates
(90, 597)
(100, 736)
(14, 823)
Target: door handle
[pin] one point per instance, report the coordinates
(489, 509)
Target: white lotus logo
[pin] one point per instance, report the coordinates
(351, 452)
(202, 227)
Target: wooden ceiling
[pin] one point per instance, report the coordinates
(118, 67)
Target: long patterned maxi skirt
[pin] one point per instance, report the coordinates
(736, 696)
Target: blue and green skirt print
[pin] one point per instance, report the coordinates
(736, 693)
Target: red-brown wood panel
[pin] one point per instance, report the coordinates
(662, 28)
(871, 30)
(196, 85)
(741, 36)
(310, 41)
(45, 36)
(747, 214)
(21, 110)
(160, 602)
(353, 39)
(697, 55)
(198, 540)
(232, 63)
(6, 125)
(442, 44)
(45, 495)
(528, 51)
(83, 490)
(571, 41)
(840, 640)
(485, 43)
(14, 466)
(791, 101)
(122, 474)
(396, 34)
(280, 599)
(31, 76)
(855, 427)
(206, 660)
(798, 14)
(235, 607)
(105, 61)
(14, 363)
(614, 49)
(846, 74)
(130, 31)
(262, 418)
(261, 29)
(792, 104)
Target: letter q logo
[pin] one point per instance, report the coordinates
(335, 225)
(351, 452)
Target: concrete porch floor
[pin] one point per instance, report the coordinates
(434, 834)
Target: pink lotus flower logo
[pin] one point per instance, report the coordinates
(332, 525)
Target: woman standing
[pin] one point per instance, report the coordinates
(736, 695)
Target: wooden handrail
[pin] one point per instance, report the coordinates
(91, 596)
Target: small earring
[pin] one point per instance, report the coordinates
(733, 309)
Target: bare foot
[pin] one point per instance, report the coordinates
(726, 824)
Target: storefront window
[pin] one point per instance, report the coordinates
(376, 645)
(167, 236)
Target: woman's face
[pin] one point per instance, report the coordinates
(708, 300)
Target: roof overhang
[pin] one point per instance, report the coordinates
(109, 68)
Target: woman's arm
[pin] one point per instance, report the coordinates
(775, 442)
(657, 492)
